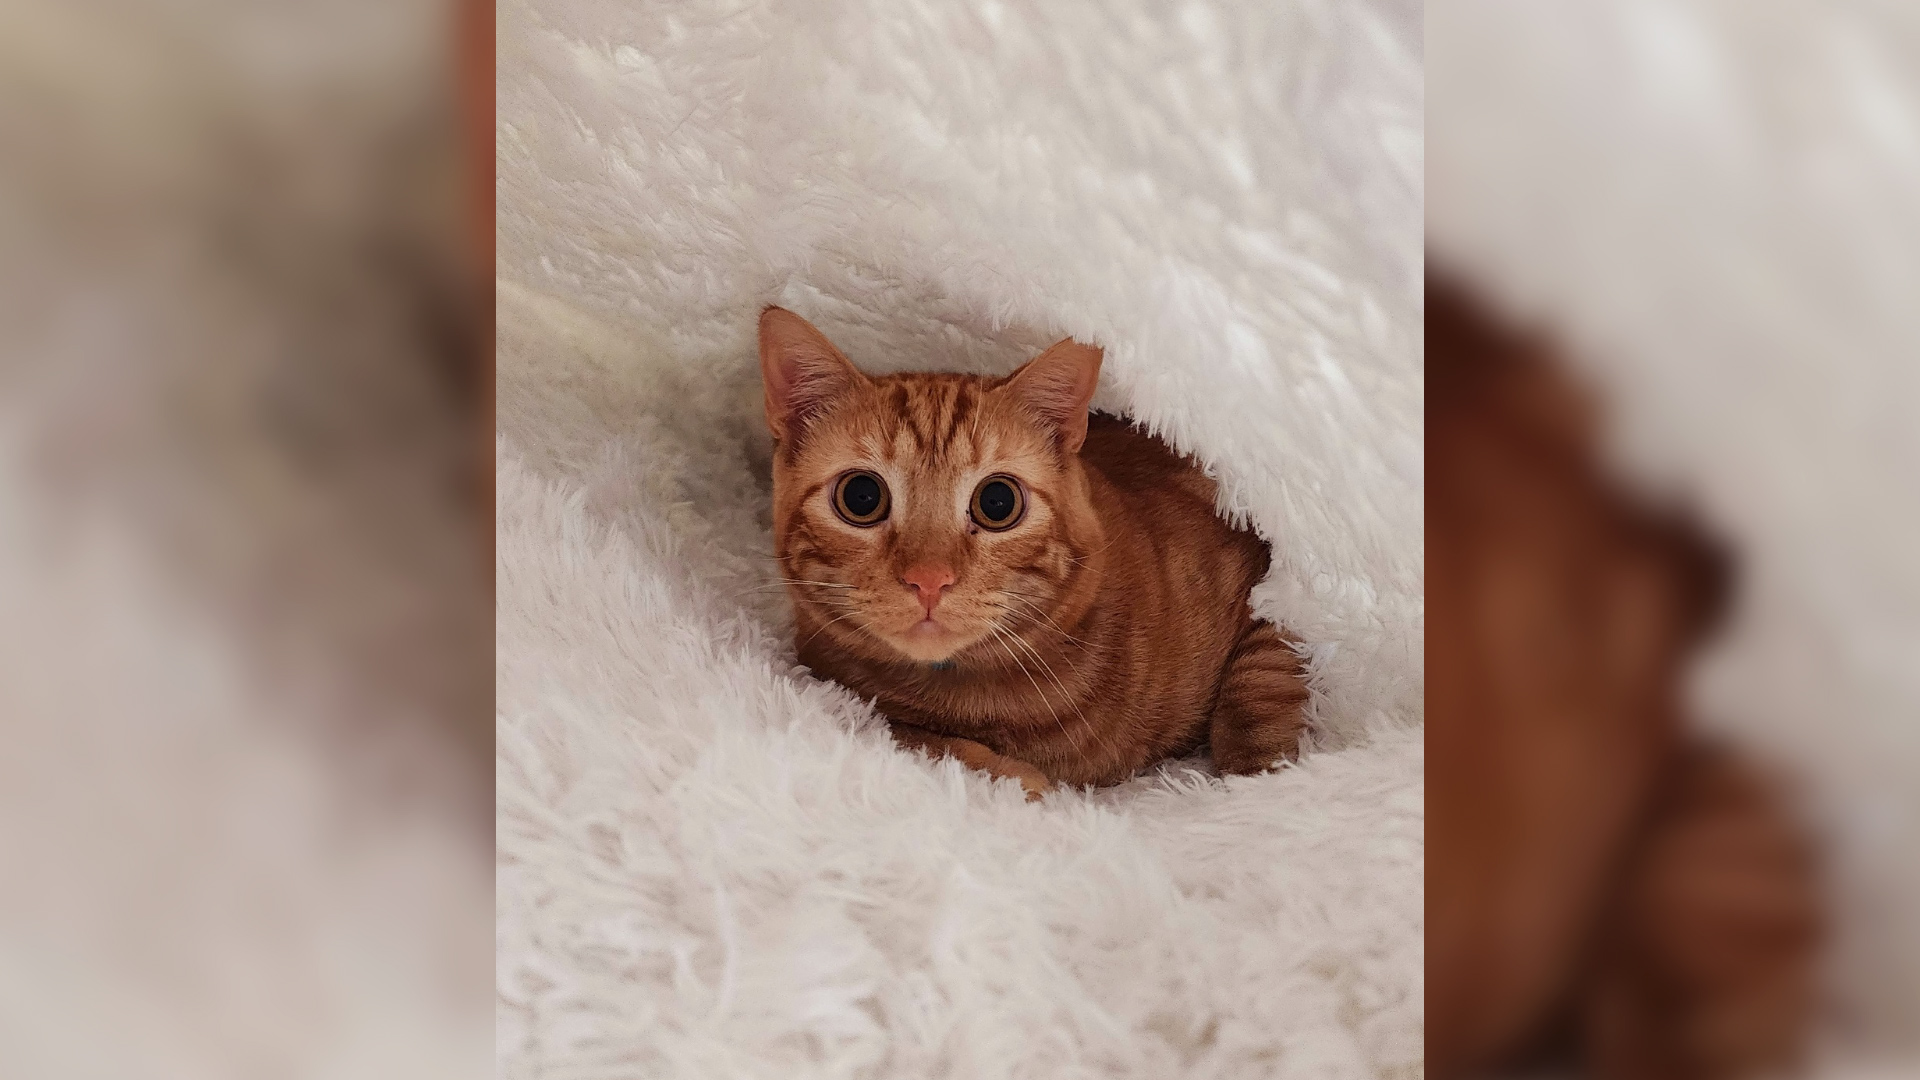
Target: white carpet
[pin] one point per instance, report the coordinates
(712, 865)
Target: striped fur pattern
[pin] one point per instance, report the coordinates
(1106, 629)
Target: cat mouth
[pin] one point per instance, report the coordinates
(927, 640)
(928, 631)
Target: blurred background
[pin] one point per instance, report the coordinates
(245, 528)
(1673, 516)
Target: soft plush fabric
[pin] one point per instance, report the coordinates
(712, 864)
(1714, 205)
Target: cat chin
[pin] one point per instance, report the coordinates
(928, 645)
(926, 652)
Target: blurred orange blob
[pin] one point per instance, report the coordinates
(1601, 888)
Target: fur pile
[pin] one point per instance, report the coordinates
(712, 864)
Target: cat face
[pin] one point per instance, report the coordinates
(918, 515)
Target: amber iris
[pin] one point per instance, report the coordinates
(860, 498)
(998, 503)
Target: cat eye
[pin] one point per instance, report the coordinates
(998, 503)
(860, 498)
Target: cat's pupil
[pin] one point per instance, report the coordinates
(997, 501)
(861, 495)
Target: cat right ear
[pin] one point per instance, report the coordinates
(801, 370)
(1057, 387)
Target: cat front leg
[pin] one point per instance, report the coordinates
(974, 756)
(1262, 706)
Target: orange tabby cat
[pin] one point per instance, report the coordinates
(1038, 595)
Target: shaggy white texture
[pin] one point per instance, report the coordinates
(1719, 205)
(714, 865)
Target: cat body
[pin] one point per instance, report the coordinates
(1124, 666)
(1040, 594)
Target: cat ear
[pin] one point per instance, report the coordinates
(1057, 386)
(801, 370)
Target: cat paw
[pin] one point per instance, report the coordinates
(1246, 762)
(1036, 783)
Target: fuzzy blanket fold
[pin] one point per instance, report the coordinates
(712, 864)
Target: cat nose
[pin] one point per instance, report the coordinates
(928, 583)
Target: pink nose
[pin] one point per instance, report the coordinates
(928, 583)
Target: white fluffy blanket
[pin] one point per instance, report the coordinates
(712, 864)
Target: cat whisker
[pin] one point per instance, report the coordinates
(801, 581)
(1038, 659)
(1039, 620)
(1058, 685)
(999, 635)
(784, 582)
(1081, 560)
(755, 589)
(832, 602)
(1042, 613)
(829, 622)
(1071, 666)
(1026, 595)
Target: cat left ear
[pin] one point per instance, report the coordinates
(1057, 386)
(800, 369)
